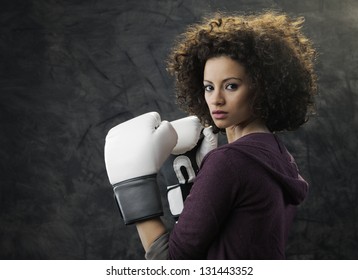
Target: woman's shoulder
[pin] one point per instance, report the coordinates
(253, 145)
(224, 155)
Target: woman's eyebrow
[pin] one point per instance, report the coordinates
(227, 79)
(232, 78)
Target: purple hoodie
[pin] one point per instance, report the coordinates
(242, 203)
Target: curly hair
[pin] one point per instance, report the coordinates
(278, 58)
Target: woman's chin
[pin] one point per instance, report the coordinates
(220, 125)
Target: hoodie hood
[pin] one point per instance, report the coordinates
(267, 150)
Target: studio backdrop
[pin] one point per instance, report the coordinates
(71, 70)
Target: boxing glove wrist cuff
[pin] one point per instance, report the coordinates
(138, 199)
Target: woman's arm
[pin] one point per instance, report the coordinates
(206, 208)
(149, 231)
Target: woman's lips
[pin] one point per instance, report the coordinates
(219, 114)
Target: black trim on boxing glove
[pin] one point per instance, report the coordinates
(170, 166)
(182, 191)
(179, 172)
(138, 199)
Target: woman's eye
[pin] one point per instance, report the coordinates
(232, 86)
(208, 87)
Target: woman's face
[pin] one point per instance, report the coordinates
(227, 92)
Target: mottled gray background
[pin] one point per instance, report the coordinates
(70, 70)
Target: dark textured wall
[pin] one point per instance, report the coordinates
(70, 70)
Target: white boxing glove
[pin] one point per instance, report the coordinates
(134, 152)
(182, 166)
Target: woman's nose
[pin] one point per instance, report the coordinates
(217, 98)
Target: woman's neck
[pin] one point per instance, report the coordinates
(233, 133)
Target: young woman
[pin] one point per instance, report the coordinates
(248, 77)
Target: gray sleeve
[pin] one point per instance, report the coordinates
(159, 248)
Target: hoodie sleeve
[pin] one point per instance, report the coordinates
(206, 208)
